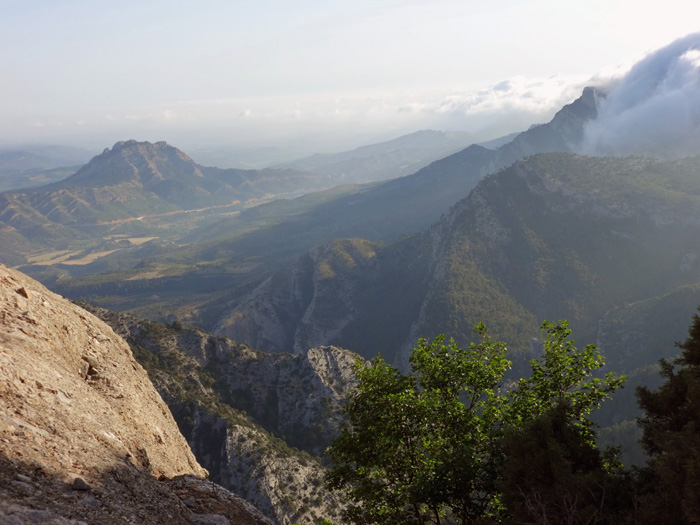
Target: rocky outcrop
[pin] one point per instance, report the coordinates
(309, 304)
(246, 414)
(84, 436)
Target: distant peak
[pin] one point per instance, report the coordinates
(125, 144)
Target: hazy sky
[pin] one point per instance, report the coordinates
(266, 71)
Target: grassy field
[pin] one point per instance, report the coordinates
(53, 257)
(87, 259)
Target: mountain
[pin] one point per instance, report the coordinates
(136, 188)
(387, 160)
(139, 177)
(555, 236)
(84, 436)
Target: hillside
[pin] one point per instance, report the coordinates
(555, 236)
(134, 190)
(84, 436)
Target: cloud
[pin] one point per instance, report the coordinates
(518, 94)
(654, 109)
(346, 119)
(150, 116)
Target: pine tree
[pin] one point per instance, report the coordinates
(671, 425)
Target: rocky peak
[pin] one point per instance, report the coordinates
(132, 161)
(127, 144)
(569, 121)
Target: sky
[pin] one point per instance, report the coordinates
(328, 74)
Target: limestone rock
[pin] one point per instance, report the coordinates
(234, 404)
(84, 436)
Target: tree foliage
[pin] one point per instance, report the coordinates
(563, 379)
(429, 446)
(671, 436)
(553, 472)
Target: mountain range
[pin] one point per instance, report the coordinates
(610, 244)
(509, 236)
(386, 160)
(198, 280)
(246, 297)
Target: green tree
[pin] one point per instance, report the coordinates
(563, 379)
(420, 446)
(427, 446)
(671, 437)
(553, 472)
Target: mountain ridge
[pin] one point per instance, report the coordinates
(526, 245)
(385, 160)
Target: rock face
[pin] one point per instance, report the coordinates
(83, 434)
(301, 316)
(246, 413)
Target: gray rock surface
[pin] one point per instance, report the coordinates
(241, 409)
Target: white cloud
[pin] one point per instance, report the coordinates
(655, 108)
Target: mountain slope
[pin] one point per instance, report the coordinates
(386, 160)
(83, 433)
(554, 236)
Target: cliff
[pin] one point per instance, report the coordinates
(257, 421)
